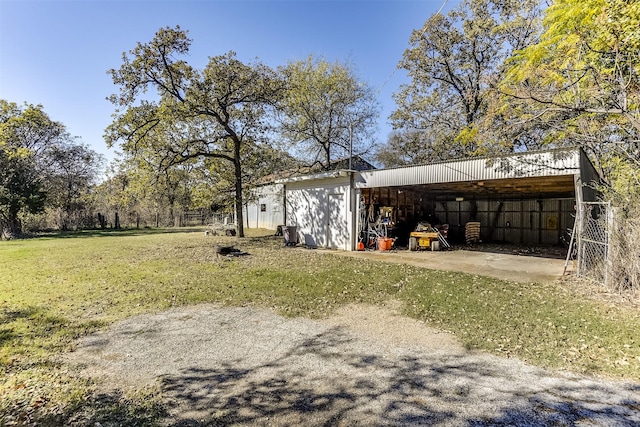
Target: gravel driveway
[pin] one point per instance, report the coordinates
(364, 366)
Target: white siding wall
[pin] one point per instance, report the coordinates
(321, 211)
(271, 197)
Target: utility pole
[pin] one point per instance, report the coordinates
(350, 144)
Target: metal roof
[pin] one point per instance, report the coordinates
(316, 176)
(525, 165)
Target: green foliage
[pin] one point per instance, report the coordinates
(28, 128)
(24, 134)
(39, 158)
(411, 147)
(455, 62)
(580, 83)
(326, 112)
(194, 115)
(72, 171)
(141, 193)
(20, 190)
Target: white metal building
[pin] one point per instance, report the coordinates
(522, 198)
(322, 207)
(264, 207)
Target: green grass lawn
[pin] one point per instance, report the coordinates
(55, 289)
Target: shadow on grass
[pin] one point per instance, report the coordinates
(7, 317)
(111, 232)
(20, 327)
(6, 335)
(106, 408)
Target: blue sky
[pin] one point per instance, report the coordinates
(57, 52)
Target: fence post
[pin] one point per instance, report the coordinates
(610, 221)
(579, 242)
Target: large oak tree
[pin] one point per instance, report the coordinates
(214, 113)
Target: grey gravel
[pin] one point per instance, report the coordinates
(364, 366)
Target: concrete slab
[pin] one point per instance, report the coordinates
(517, 268)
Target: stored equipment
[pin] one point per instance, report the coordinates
(426, 236)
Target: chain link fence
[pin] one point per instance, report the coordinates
(592, 240)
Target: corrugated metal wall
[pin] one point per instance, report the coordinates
(525, 221)
(320, 210)
(265, 208)
(513, 221)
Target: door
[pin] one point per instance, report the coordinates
(337, 233)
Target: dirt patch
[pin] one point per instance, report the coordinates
(386, 325)
(365, 365)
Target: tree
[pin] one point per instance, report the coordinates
(409, 147)
(141, 194)
(71, 170)
(454, 64)
(326, 112)
(29, 128)
(581, 83)
(25, 135)
(20, 190)
(213, 113)
(42, 166)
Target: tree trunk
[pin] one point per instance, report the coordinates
(6, 233)
(327, 154)
(172, 214)
(102, 220)
(10, 229)
(238, 175)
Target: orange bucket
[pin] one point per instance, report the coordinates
(384, 243)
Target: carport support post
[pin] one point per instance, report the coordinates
(521, 222)
(446, 212)
(578, 221)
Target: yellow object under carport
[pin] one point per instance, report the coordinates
(421, 239)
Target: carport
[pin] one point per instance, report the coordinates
(526, 198)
